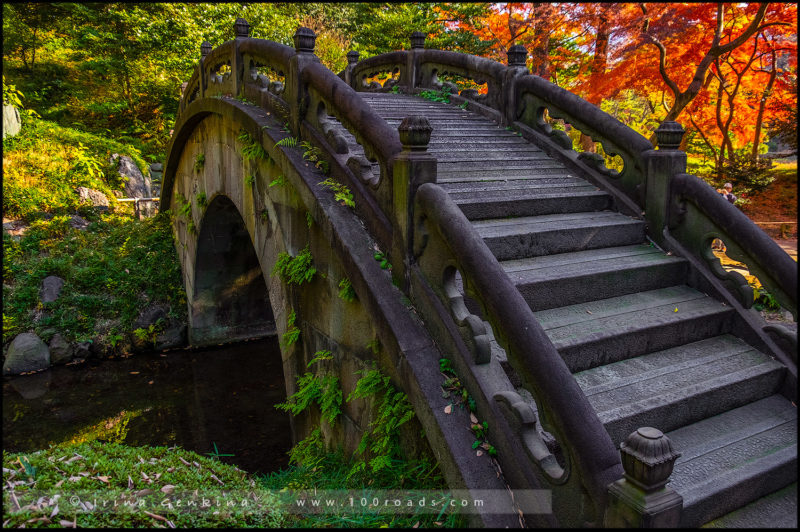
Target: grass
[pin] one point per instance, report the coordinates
(98, 473)
(112, 270)
(45, 163)
(165, 487)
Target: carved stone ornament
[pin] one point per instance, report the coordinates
(417, 40)
(242, 28)
(352, 57)
(304, 39)
(415, 133)
(669, 135)
(517, 55)
(648, 458)
(205, 49)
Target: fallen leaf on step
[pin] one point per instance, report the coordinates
(448, 409)
(473, 418)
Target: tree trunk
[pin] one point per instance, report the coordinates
(761, 106)
(599, 62)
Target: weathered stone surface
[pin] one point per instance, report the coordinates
(95, 197)
(15, 228)
(77, 222)
(51, 288)
(82, 350)
(61, 351)
(27, 352)
(11, 121)
(149, 316)
(173, 336)
(136, 184)
(168, 333)
(156, 167)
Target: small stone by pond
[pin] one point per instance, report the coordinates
(216, 400)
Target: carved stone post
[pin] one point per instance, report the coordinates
(412, 67)
(242, 31)
(641, 499)
(517, 66)
(294, 94)
(412, 167)
(205, 49)
(352, 59)
(659, 167)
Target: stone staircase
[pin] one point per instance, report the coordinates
(646, 348)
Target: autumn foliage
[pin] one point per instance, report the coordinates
(726, 72)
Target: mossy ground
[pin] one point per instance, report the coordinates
(160, 483)
(112, 270)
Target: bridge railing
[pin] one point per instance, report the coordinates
(642, 185)
(554, 440)
(551, 440)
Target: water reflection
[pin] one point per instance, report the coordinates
(221, 396)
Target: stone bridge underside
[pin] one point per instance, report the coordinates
(582, 308)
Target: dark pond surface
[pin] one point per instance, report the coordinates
(196, 399)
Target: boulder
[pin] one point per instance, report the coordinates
(60, 350)
(95, 197)
(174, 336)
(27, 352)
(136, 184)
(51, 288)
(82, 350)
(11, 121)
(172, 333)
(76, 222)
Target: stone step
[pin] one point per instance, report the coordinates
(494, 157)
(513, 186)
(533, 202)
(678, 386)
(776, 510)
(451, 174)
(732, 459)
(531, 236)
(569, 278)
(589, 335)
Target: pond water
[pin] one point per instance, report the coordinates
(197, 399)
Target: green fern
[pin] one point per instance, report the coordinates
(292, 332)
(295, 270)
(315, 155)
(279, 181)
(251, 149)
(199, 162)
(341, 193)
(202, 200)
(346, 291)
(250, 180)
(320, 356)
(287, 142)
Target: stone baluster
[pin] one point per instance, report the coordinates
(202, 79)
(352, 60)
(517, 66)
(241, 31)
(412, 66)
(641, 499)
(412, 167)
(660, 166)
(304, 40)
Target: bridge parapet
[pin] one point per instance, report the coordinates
(554, 441)
(649, 184)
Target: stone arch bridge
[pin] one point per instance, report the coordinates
(581, 306)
